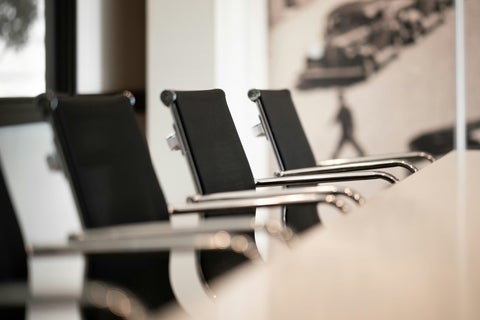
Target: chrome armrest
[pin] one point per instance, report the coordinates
(351, 167)
(220, 240)
(290, 198)
(160, 228)
(409, 156)
(157, 229)
(252, 194)
(291, 178)
(159, 237)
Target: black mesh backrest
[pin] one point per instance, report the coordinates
(288, 134)
(292, 147)
(216, 150)
(108, 160)
(114, 182)
(216, 157)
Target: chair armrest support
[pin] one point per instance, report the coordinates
(160, 229)
(252, 194)
(290, 198)
(220, 240)
(290, 177)
(409, 156)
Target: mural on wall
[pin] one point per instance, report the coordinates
(368, 77)
(22, 47)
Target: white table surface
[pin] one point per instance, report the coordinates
(411, 252)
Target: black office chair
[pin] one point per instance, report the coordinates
(112, 178)
(282, 127)
(207, 135)
(106, 160)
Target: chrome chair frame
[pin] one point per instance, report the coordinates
(335, 165)
(178, 141)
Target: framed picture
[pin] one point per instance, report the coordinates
(375, 76)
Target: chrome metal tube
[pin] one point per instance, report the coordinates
(249, 194)
(409, 156)
(226, 205)
(351, 167)
(220, 240)
(290, 177)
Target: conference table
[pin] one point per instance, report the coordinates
(411, 252)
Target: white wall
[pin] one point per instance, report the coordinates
(89, 46)
(241, 54)
(110, 45)
(194, 45)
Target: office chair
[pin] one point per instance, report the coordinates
(282, 127)
(42, 214)
(106, 160)
(206, 133)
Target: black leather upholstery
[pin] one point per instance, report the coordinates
(215, 146)
(108, 161)
(218, 158)
(114, 181)
(292, 146)
(292, 143)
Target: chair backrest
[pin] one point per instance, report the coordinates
(215, 156)
(108, 164)
(211, 143)
(108, 160)
(283, 128)
(214, 150)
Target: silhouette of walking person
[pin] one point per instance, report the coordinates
(345, 118)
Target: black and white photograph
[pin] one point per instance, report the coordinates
(369, 76)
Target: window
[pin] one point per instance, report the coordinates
(22, 47)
